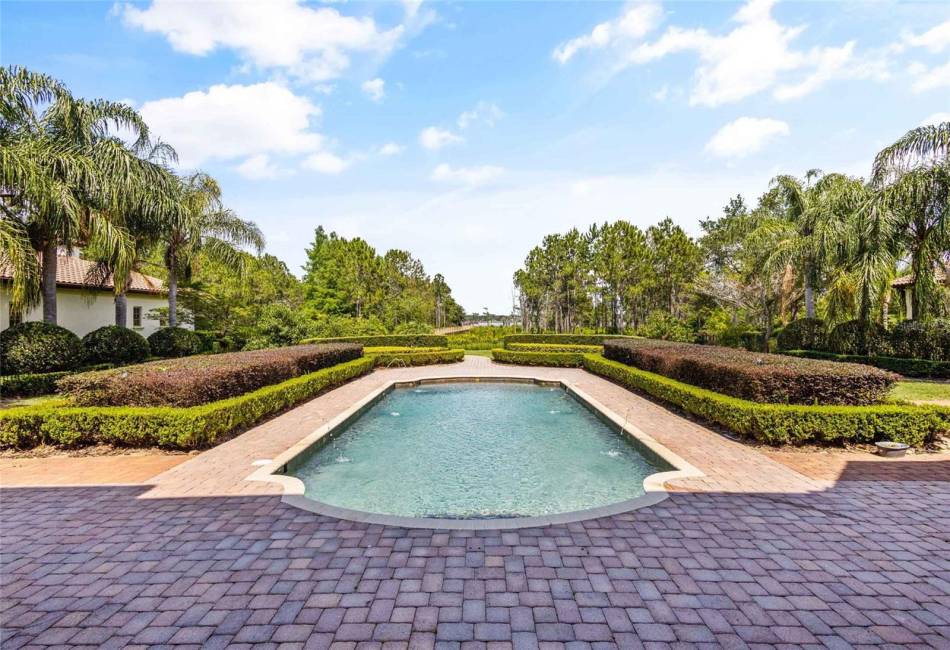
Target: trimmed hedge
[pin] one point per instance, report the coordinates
(175, 342)
(859, 337)
(31, 385)
(43, 383)
(803, 334)
(115, 345)
(914, 339)
(390, 340)
(38, 347)
(422, 358)
(782, 423)
(923, 368)
(554, 347)
(760, 377)
(560, 359)
(562, 339)
(179, 428)
(200, 379)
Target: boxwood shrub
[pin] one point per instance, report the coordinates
(923, 368)
(859, 337)
(115, 345)
(416, 358)
(915, 339)
(803, 334)
(783, 423)
(562, 339)
(178, 428)
(174, 342)
(204, 378)
(554, 347)
(398, 340)
(760, 377)
(560, 359)
(30, 385)
(37, 347)
(43, 383)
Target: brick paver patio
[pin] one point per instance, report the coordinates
(754, 554)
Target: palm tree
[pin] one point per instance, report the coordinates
(201, 226)
(25, 181)
(65, 175)
(909, 213)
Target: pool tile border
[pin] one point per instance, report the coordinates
(293, 488)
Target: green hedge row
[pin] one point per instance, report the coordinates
(43, 383)
(907, 367)
(562, 339)
(180, 428)
(554, 347)
(30, 385)
(389, 340)
(560, 359)
(780, 423)
(400, 359)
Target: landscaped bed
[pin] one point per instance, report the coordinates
(200, 379)
(760, 377)
(783, 423)
(166, 426)
(771, 423)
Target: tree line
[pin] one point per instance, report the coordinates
(89, 175)
(824, 245)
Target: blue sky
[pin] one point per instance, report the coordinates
(465, 132)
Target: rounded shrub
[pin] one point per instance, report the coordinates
(174, 342)
(912, 339)
(116, 345)
(803, 334)
(36, 347)
(859, 337)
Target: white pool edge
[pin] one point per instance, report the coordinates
(653, 485)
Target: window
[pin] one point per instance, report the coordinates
(136, 317)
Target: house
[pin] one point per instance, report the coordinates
(83, 303)
(905, 285)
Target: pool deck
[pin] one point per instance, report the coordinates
(750, 554)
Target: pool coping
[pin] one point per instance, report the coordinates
(294, 490)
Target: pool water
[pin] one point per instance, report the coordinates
(476, 450)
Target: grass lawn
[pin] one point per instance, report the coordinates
(921, 391)
(478, 353)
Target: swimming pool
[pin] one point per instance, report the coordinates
(475, 451)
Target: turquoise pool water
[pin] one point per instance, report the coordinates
(476, 450)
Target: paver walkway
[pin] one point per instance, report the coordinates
(754, 554)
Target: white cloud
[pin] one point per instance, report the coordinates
(661, 94)
(470, 176)
(311, 43)
(326, 163)
(745, 136)
(375, 88)
(258, 167)
(936, 118)
(637, 21)
(935, 39)
(484, 112)
(755, 56)
(230, 122)
(929, 78)
(434, 138)
(391, 149)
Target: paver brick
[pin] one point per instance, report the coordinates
(751, 554)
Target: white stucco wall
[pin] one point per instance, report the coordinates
(83, 311)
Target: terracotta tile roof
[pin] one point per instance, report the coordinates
(905, 280)
(75, 272)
